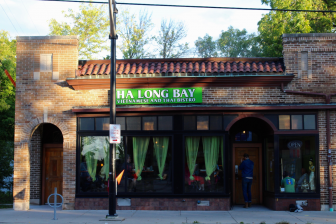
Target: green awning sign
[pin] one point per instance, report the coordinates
(159, 96)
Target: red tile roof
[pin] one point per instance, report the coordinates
(183, 65)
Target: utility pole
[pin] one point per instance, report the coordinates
(112, 213)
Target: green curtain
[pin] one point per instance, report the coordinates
(161, 149)
(106, 158)
(91, 164)
(211, 151)
(91, 161)
(140, 146)
(192, 144)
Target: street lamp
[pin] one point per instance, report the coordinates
(112, 172)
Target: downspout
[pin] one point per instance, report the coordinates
(328, 99)
(329, 163)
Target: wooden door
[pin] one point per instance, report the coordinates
(52, 172)
(254, 151)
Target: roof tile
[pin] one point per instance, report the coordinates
(157, 66)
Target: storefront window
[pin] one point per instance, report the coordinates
(149, 123)
(309, 121)
(284, 122)
(297, 164)
(94, 160)
(149, 165)
(86, 124)
(296, 122)
(204, 164)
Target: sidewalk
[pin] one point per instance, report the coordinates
(256, 215)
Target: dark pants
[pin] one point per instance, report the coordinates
(246, 185)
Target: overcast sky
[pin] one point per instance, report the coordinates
(31, 17)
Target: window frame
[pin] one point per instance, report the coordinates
(50, 67)
(302, 118)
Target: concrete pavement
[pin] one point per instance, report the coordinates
(255, 215)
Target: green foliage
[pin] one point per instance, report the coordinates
(135, 34)
(238, 43)
(7, 106)
(283, 222)
(7, 61)
(275, 23)
(168, 40)
(206, 47)
(6, 163)
(91, 25)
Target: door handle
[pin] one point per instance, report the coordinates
(236, 169)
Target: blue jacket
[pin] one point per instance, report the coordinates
(247, 168)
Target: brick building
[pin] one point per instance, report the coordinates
(185, 125)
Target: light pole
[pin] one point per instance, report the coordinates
(112, 172)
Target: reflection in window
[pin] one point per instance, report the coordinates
(165, 122)
(86, 124)
(204, 164)
(309, 122)
(284, 122)
(148, 165)
(122, 122)
(202, 122)
(245, 136)
(133, 123)
(296, 121)
(102, 123)
(216, 122)
(298, 164)
(189, 122)
(94, 168)
(149, 123)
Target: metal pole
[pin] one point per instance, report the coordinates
(112, 173)
(55, 201)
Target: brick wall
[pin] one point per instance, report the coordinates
(35, 165)
(172, 204)
(44, 100)
(48, 100)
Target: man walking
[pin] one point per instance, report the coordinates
(246, 167)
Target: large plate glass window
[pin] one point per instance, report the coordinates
(149, 165)
(204, 161)
(298, 164)
(94, 165)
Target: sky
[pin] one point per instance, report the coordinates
(31, 17)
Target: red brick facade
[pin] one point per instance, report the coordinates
(42, 99)
(35, 167)
(172, 204)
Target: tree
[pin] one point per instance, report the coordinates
(168, 40)
(7, 61)
(206, 47)
(91, 25)
(7, 105)
(274, 24)
(237, 43)
(135, 34)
